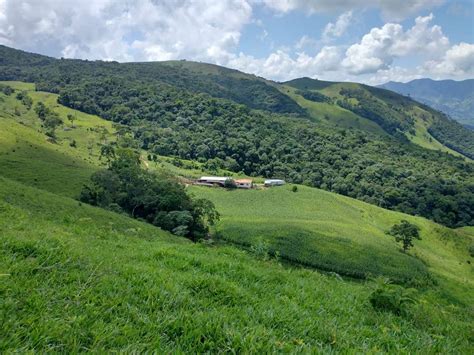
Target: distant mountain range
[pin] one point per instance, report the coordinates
(456, 98)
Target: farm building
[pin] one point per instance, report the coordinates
(274, 182)
(244, 183)
(213, 180)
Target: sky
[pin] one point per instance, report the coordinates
(369, 41)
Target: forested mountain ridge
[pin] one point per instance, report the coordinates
(366, 103)
(279, 139)
(53, 75)
(455, 98)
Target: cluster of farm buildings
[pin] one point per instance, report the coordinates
(225, 181)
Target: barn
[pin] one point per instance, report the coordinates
(244, 183)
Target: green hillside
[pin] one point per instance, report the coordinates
(77, 278)
(335, 233)
(237, 122)
(397, 115)
(27, 156)
(220, 134)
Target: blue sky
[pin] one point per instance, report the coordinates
(370, 41)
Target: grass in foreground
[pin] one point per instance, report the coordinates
(77, 278)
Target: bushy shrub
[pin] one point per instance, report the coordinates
(471, 250)
(392, 298)
(261, 249)
(230, 184)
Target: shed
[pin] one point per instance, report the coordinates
(274, 182)
(213, 180)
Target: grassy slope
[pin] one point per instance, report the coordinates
(421, 136)
(333, 114)
(336, 233)
(77, 278)
(346, 119)
(27, 156)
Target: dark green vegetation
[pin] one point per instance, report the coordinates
(399, 116)
(405, 232)
(454, 136)
(186, 110)
(392, 298)
(52, 75)
(456, 98)
(80, 278)
(158, 199)
(313, 96)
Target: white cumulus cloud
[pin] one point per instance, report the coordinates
(381, 46)
(458, 61)
(125, 30)
(339, 28)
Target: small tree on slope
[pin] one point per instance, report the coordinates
(404, 232)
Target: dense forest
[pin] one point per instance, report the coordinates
(277, 140)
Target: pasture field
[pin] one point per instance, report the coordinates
(78, 278)
(27, 156)
(336, 233)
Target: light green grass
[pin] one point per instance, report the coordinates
(336, 233)
(423, 138)
(26, 155)
(332, 114)
(77, 278)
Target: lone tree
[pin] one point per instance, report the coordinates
(405, 232)
(71, 119)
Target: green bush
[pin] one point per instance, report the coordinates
(230, 184)
(392, 298)
(261, 249)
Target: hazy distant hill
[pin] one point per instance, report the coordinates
(456, 98)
